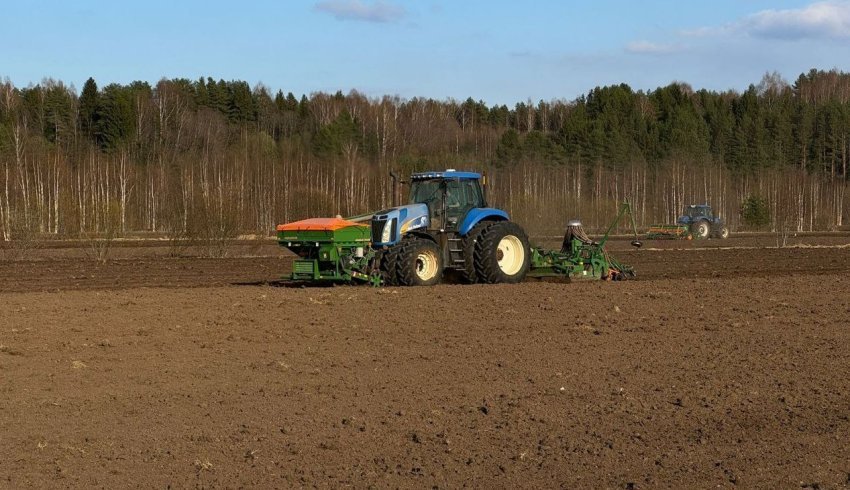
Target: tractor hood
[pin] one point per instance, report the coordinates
(390, 224)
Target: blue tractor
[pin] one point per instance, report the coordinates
(702, 222)
(447, 225)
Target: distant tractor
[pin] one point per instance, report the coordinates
(703, 223)
(697, 222)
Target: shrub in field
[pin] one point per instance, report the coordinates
(755, 212)
(180, 235)
(99, 242)
(205, 229)
(22, 238)
(214, 230)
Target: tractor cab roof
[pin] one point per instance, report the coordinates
(445, 174)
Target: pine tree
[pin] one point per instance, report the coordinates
(58, 108)
(89, 100)
(114, 117)
(330, 140)
(202, 96)
(241, 105)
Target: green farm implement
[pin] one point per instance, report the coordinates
(447, 226)
(329, 250)
(582, 258)
(669, 232)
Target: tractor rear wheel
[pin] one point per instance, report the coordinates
(420, 263)
(502, 254)
(469, 273)
(700, 229)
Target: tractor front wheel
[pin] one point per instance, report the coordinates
(723, 233)
(388, 265)
(420, 263)
(700, 229)
(502, 254)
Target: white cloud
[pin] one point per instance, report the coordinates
(820, 20)
(706, 31)
(829, 19)
(378, 11)
(648, 47)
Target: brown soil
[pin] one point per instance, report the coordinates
(717, 367)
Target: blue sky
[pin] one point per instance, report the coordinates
(498, 51)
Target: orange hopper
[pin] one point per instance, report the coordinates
(317, 224)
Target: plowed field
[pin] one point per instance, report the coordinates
(723, 364)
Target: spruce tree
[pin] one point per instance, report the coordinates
(89, 100)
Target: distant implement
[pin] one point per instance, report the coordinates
(698, 222)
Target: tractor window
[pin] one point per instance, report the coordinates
(697, 212)
(474, 196)
(463, 195)
(425, 192)
(459, 193)
(447, 200)
(455, 195)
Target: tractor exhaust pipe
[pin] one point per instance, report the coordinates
(394, 176)
(484, 186)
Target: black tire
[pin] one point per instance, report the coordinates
(389, 261)
(419, 263)
(488, 254)
(469, 242)
(700, 230)
(723, 232)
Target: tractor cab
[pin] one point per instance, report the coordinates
(449, 195)
(698, 211)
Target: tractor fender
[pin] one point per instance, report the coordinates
(475, 216)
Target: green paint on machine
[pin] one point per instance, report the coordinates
(328, 249)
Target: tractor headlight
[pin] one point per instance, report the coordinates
(385, 235)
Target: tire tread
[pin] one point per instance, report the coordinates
(486, 263)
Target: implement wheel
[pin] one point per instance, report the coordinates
(420, 263)
(502, 254)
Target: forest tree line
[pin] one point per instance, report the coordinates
(222, 157)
